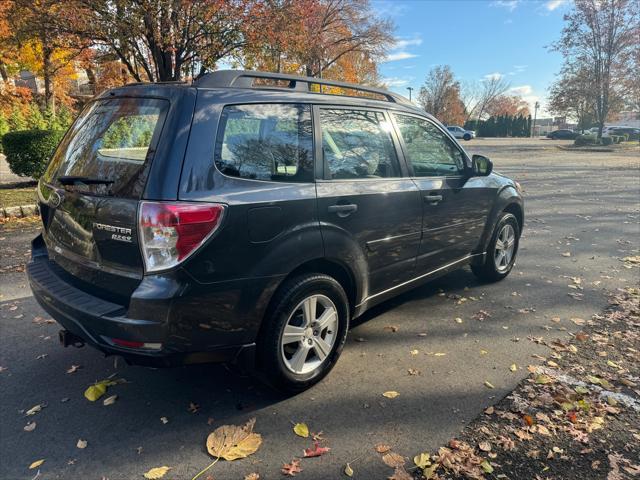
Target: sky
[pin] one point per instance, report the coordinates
(478, 39)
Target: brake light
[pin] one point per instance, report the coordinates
(171, 232)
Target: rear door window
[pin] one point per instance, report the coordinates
(357, 144)
(271, 142)
(113, 141)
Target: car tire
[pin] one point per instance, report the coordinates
(497, 265)
(466, 137)
(288, 332)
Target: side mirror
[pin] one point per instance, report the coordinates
(481, 166)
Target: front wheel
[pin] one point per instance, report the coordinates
(466, 137)
(501, 252)
(303, 335)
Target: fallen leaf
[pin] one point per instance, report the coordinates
(348, 471)
(291, 469)
(486, 466)
(193, 407)
(301, 430)
(488, 384)
(156, 473)
(566, 254)
(98, 389)
(422, 460)
(36, 464)
(390, 394)
(543, 379)
(513, 367)
(252, 476)
(30, 427)
(316, 451)
(33, 410)
(164, 420)
(484, 446)
(400, 474)
(393, 459)
(414, 352)
(391, 328)
(489, 410)
(232, 442)
(110, 400)
(81, 444)
(382, 448)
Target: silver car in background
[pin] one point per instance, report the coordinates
(460, 132)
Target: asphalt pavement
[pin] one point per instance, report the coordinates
(437, 346)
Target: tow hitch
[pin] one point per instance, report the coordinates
(67, 338)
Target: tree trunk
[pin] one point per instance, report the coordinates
(3, 73)
(48, 80)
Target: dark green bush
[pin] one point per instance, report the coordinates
(606, 140)
(29, 151)
(587, 139)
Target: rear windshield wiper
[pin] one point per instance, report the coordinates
(74, 180)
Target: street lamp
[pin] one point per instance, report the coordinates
(535, 116)
(410, 90)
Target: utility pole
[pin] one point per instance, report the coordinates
(410, 90)
(535, 116)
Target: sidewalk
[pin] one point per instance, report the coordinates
(6, 175)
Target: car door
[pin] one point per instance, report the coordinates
(455, 205)
(364, 195)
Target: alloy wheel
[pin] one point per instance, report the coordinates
(505, 247)
(309, 334)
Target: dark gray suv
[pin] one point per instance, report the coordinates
(248, 217)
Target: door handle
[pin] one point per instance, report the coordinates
(433, 199)
(343, 210)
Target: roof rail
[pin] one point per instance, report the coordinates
(245, 79)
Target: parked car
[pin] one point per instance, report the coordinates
(460, 132)
(562, 134)
(631, 132)
(239, 221)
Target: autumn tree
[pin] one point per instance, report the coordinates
(477, 96)
(440, 96)
(160, 40)
(573, 95)
(600, 40)
(511, 105)
(42, 48)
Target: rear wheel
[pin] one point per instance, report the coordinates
(501, 252)
(467, 137)
(303, 335)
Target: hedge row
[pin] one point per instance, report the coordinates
(29, 151)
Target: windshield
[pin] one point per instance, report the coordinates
(113, 140)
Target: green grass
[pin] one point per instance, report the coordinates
(14, 197)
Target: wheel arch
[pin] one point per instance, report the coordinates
(327, 266)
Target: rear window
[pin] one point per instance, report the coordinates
(113, 141)
(272, 142)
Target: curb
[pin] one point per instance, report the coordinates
(19, 212)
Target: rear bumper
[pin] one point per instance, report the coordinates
(96, 321)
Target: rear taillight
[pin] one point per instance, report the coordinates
(170, 232)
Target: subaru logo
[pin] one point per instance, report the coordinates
(54, 199)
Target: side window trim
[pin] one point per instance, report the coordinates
(322, 167)
(446, 133)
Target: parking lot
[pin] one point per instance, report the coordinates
(437, 346)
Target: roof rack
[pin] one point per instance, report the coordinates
(246, 78)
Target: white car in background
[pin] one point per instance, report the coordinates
(460, 132)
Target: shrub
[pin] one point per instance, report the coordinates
(4, 128)
(606, 140)
(586, 139)
(28, 151)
